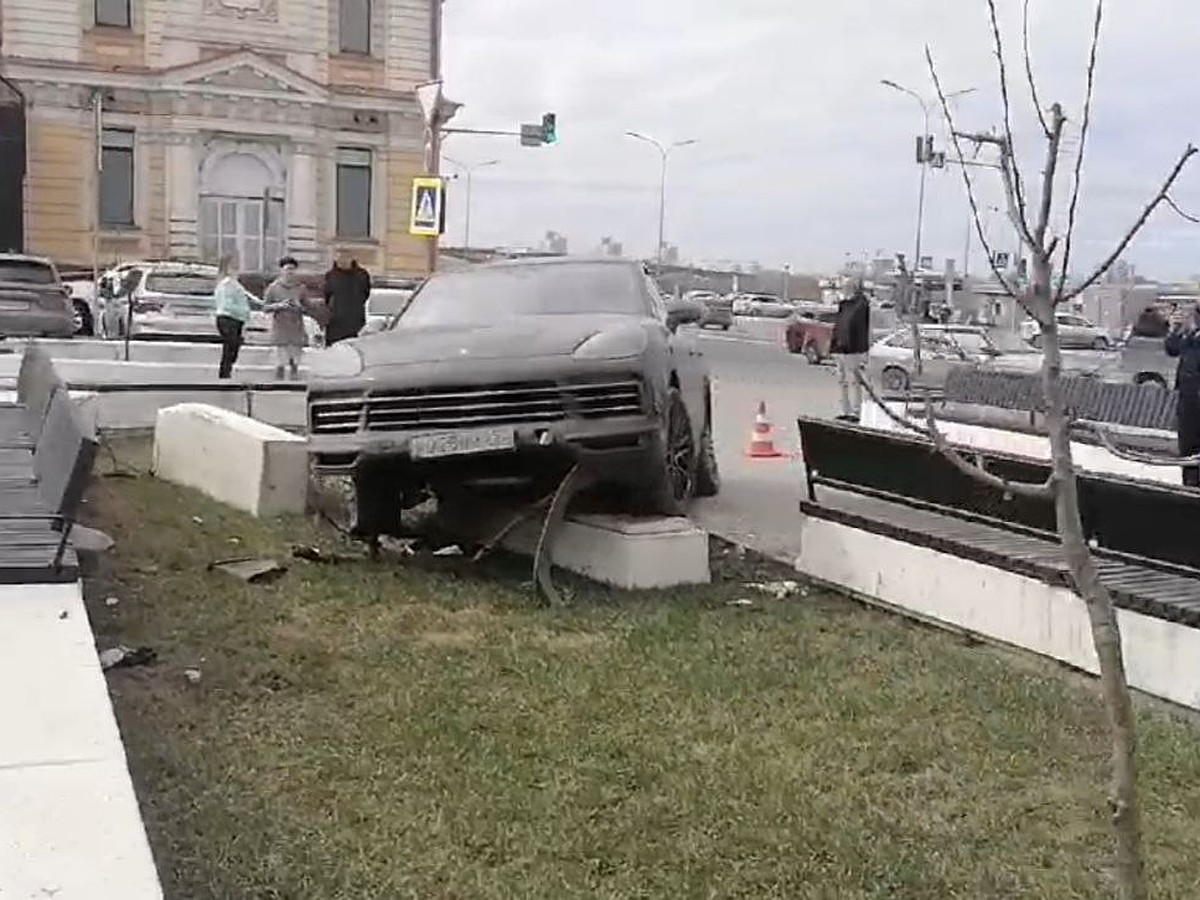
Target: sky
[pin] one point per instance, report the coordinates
(802, 157)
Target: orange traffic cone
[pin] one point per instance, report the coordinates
(762, 439)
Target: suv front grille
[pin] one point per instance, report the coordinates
(468, 407)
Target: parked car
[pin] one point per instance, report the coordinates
(33, 300)
(811, 333)
(1074, 333)
(716, 311)
(383, 305)
(170, 301)
(504, 376)
(891, 362)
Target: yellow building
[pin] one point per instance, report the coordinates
(195, 128)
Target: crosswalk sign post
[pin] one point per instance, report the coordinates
(428, 207)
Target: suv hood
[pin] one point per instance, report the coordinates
(520, 338)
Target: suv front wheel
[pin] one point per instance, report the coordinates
(674, 483)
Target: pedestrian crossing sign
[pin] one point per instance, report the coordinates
(428, 207)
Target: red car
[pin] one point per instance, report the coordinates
(811, 333)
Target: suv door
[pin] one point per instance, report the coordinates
(686, 359)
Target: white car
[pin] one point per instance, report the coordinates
(168, 301)
(892, 364)
(1074, 333)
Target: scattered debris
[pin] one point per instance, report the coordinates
(122, 657)
(111, 601)
(576, 480)
(450, 550)
(90, 540)
(741, 601)
(311, 553)
(64, 614)
(192, 675)
(235, 540)
(197, 520)
(399, 546)
(248, 569)
(780, 590)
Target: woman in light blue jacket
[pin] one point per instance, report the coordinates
(233, 312)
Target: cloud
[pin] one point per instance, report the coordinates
(801, 155)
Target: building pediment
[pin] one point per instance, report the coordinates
(245, 71)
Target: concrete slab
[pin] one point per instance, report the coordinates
(232, 458)
(1162, 658)
(626, 552)
(69, 825)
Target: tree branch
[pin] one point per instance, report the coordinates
(1136, 456)
(1183, 215)
(998, 45)
(930, 432)
(1037, 103)
(1083, 135)
(1053, 142)
(971, 198)
(1158, 198)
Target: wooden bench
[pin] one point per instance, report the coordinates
(898, 486)
(42, 486)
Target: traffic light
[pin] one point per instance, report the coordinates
(549, 128)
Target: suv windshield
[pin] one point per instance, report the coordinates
(187, 283)
(487, 296)
(26, 271)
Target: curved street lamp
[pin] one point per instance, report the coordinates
(665, 151)
(925, 164)
(469, 171)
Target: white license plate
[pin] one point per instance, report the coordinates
(461, 443)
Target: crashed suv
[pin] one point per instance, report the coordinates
(505, 377)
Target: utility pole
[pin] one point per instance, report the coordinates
(665, 151)
(924, 156)
(469, 172)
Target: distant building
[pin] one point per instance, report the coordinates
(670, 254)
(200, 129)
(610, 247)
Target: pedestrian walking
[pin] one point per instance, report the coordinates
(285, 300)
(851, 340)
(1183, 343)
(233, 312)
(347, 287)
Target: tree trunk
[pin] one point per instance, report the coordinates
(1102, 615)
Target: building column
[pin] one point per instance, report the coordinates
(182, 169)
(302, 183)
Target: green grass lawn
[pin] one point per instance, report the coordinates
(400, 729)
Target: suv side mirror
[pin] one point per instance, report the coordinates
(682, 312)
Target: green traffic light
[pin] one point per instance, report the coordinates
(550, 128)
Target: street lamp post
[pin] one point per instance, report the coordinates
(924, 162)
(665, 151)
(469, 171)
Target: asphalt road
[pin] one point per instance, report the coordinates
(759, 497)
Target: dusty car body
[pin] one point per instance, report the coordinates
(504, 377)
(33, 300)
(1074, 333)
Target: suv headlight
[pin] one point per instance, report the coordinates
(338, 361)
(622, 343)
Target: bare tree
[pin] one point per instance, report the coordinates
(1030, 208)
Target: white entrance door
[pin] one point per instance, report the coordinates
(249, 229)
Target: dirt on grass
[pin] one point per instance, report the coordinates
(421, 728)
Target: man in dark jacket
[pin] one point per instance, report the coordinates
(347, 287)
(1183, 343)
(851, 340)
